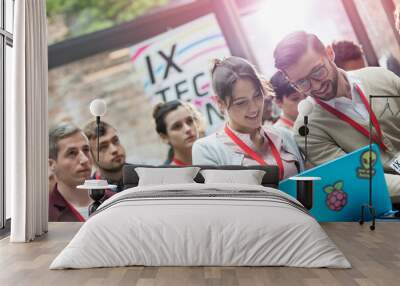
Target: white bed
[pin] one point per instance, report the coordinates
(201, 224)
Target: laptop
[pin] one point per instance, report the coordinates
(344, 187)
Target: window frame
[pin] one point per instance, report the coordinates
(6, 39)
(151, 25)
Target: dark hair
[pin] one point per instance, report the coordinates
(346, 51)
(170, 156)
(226, 72)
(58, 132)
(281, 85)
(393, 64)
(90, 129)
(161, 110)
(293, 46)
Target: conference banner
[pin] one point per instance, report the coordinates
(176, 65)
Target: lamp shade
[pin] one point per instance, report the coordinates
(98, 107)
(305, 107)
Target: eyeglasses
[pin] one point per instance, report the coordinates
(318, 73)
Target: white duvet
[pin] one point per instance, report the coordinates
(201, 224)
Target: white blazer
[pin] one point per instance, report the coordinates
(211, 150)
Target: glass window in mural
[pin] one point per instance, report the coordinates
(175, 65)
(380, 33)
(279, 18)
(73, 18)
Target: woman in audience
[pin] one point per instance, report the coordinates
(243, 140)
(178, 125)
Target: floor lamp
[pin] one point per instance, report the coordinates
(304, 185)
(305, 108)
(370, 206)
(98, 108)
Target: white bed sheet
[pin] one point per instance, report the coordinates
(200, 231)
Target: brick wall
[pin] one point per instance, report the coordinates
(109, 76)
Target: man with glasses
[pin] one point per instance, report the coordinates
(339, 123)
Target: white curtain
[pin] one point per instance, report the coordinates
(26, 123)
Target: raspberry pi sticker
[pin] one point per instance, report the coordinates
(336, 198)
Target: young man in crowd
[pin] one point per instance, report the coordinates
(70, 163)
(339, 123)
(111, 153)
(287, 98)
(348, 55)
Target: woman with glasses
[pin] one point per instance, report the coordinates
(178, 125)
(243, 140)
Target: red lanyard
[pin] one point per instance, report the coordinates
(77, 215)
(286, 121)
(178, 162)
(254, 154)
(376, 138)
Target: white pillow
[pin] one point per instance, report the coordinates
(248, 177)
(163, 176)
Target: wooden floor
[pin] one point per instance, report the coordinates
(374, 255)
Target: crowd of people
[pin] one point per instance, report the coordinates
(333, 78)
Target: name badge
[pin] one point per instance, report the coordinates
(395, 164)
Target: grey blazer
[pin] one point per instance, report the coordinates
(211, 150)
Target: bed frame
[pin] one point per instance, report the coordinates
(270, 179)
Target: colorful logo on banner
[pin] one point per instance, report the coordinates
(176, 64)
(366, 161)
